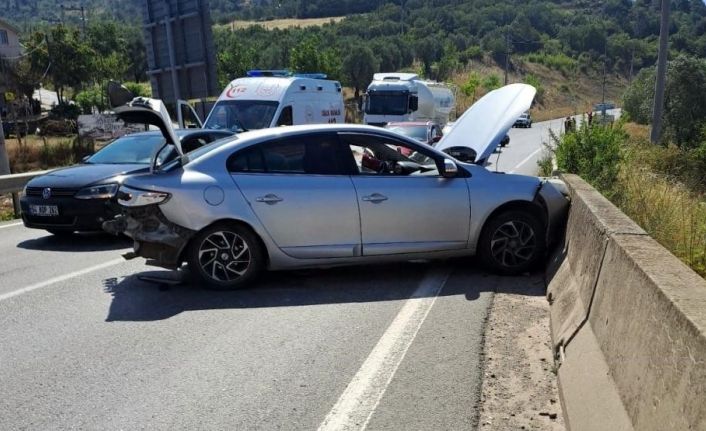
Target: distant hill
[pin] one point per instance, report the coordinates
(33, 12)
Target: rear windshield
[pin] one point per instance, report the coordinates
(131, 149)
(416, 132)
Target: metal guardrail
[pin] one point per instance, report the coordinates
(14, 183)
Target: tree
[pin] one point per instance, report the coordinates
(637, 100)
(684, 110)
(358, 67)
(470, 87)
(311, 56)
(71, 59)
(491, 82)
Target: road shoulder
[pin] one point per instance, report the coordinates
(519, 389)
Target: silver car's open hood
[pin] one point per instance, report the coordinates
(143, 110)
(487, 121)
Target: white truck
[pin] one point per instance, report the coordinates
(393, 97)
(277, 98)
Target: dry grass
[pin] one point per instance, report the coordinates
(670, 212)
(38, 152)
(562, 95)
(284, 23)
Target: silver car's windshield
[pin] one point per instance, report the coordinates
(241, 115)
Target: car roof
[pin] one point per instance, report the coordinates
(254, 137)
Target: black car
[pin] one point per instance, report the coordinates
(81, 197)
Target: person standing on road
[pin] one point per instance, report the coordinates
(590, 118)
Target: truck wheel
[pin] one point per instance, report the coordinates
(512, 242)
(225, 256)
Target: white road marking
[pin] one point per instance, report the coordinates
(10, 225)
(358, 402)
(59, 279)
(527, 159)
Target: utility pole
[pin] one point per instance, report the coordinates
(507, 55)
(605, 60)
(401, 17)
(5, 166)
(83, 16)
(658, 106)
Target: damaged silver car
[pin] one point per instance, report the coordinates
(328, 195)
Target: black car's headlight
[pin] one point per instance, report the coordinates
(101, 191)
(130, 197)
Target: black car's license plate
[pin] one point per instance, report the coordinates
(44, 210)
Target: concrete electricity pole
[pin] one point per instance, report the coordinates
(658, 106)
(4, 160)
(5, 167)
(507, 55)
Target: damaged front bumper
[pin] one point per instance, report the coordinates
(157, 239)
(556, 199)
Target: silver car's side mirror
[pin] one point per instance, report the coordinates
(450, 169)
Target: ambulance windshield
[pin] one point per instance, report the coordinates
(241, 115)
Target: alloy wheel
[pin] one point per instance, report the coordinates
(513, 243)
(224, 256)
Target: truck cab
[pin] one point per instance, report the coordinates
(399, 97)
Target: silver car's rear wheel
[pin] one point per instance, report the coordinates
(225, 256)
(512, 242)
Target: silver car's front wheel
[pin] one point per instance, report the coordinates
(512, 242)
(225, 256)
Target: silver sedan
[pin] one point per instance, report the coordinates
(328, 195)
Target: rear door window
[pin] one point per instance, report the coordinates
(315, 154)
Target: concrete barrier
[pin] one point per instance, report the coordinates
(628, 323)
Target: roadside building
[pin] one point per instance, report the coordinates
(10, 49)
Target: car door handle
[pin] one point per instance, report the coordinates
(269, 199)
(375, 198)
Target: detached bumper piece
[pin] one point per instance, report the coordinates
(155, 238)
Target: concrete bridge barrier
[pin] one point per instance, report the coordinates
(628, 324)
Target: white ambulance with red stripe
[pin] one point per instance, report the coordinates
(273, 98)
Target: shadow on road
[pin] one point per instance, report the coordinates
(137, 300)
(78, 242)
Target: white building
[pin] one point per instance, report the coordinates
(9, 40)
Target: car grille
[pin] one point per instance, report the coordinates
(58, 192)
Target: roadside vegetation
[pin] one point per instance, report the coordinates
(661, 187)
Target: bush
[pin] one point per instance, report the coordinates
(93, 97)
(66, 111)
(560, 62)
(142, 89)
(593, 152)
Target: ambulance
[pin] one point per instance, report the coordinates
(273, 98)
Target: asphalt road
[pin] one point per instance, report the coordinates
(85, 344)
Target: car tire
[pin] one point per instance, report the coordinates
(225, 256)
(512, 242)
(60, 232)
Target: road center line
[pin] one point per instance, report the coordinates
(358, 402)
(59, 279)
(10, 225)
(527, 159)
